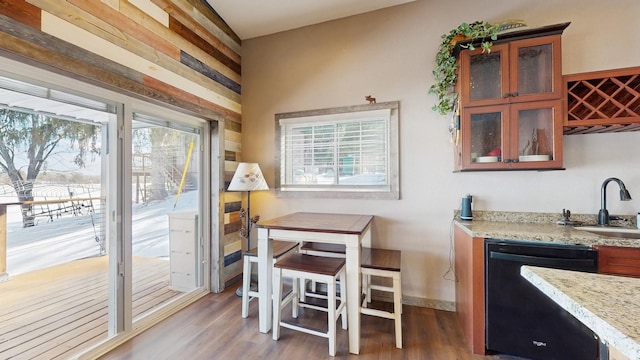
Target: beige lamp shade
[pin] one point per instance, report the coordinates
(248, 177)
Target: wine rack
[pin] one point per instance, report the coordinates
(602, 101)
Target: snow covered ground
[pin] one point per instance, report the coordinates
(72, 237)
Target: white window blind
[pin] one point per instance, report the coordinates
(337, 152)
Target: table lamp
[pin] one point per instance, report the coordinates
(247, 177)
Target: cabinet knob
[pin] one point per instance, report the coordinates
(515, 94)
(506, 95)
(507, 160)
(516, 160)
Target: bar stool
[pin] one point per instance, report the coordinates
(280, 249)
(321, 269)
(320, 249)
(386, 264)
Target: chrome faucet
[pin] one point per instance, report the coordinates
(603, 215)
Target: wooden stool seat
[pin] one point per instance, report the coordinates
(383, 263)
(312, 264)
(381, 259)
(280, 248)
(323, 249)
(317, 268)
(320, 249)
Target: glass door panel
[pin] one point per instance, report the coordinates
(166, 169)
(55, 280)
(486, 137)
(535, 134)
(485, 76)
(535, 128)
(535, 69)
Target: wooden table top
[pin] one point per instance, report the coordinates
(320, 222)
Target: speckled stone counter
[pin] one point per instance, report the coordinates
(608, 305)
(536, 227)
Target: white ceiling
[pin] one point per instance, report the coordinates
(253, 18)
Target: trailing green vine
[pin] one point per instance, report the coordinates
(445, 72)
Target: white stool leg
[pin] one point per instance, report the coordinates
(295, 296)
(246, 285)
(343, 298)
(303, 289)
(368, 282)
(277, 298)
(365, 289)
(397, 308)
(331, 304)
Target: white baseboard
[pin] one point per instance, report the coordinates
(418, 301)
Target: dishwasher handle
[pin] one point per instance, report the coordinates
(544, 261)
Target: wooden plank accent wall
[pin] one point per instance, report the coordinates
(232, 242)
(146, 6)
(228, 57)
(178, 53)
(216, 20)
(134, 40)
(22, 12)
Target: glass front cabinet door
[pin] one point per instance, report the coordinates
(510, 106)
(517, 136)
(484, 76)
(523, 70)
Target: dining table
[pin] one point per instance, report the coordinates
(352, 230)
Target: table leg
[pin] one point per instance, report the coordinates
(352, 255)
(265, 278)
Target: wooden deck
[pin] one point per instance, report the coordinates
(62, 310)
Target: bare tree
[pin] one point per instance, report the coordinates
(37, 136)
(162, 145)
(158, 137)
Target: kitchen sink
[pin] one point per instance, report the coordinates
(612, 231)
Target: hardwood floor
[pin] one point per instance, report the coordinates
(212, 328)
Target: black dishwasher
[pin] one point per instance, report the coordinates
(520, 319)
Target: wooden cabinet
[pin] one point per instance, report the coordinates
(469, 268)
(617, 260)
(517, 136)
(183, 246)
(511, 104)
(517, 71)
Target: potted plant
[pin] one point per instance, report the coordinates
(445, 72)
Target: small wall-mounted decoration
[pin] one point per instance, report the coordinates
(370, 99)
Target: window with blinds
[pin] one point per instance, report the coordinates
(351, 149)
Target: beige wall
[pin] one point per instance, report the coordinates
(390, 54)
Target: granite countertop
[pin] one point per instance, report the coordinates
(607, 304)
(535, 227)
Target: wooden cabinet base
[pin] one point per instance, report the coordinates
(469, 267)
(616, 260)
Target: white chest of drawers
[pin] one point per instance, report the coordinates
(183, 245)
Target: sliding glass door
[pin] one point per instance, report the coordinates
(104, 219)
(53, 185)
(166, 169)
